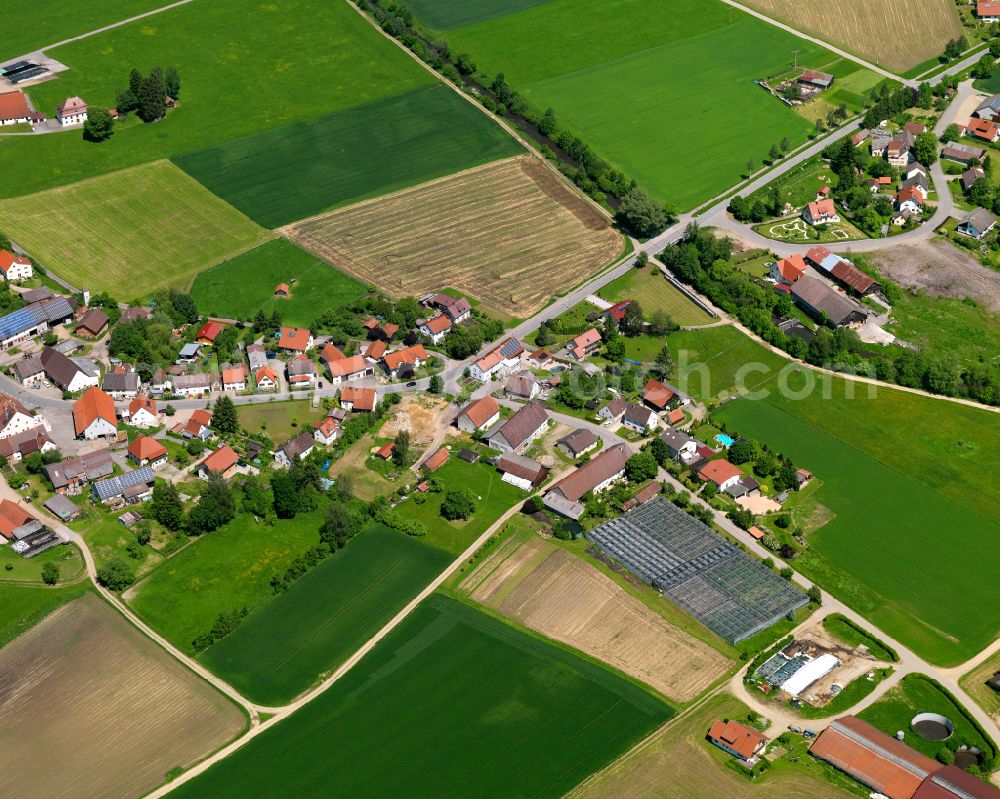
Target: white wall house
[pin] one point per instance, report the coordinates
(15, 267)
(72, 111)
(18, 422)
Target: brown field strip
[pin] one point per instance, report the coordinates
(510, 234)
(90, 708)
(895, 34)
(678, 763)
(561, 596)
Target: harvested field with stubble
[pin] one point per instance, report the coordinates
(554, 593)
(91, 708)
(894, 33)
(511, 234)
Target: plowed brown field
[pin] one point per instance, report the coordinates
(511, 234)
(563, 597)
(90, 708)
(896, 34)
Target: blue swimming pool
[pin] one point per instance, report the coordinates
(725, 440)
(556, 370)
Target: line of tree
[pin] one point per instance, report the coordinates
(702, 260)
(639, 213)
(147, 94)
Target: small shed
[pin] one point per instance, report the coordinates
(62, 507)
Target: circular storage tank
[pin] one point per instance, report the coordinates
(933, 726)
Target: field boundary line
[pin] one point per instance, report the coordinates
(112, 26)
(816, 40)
(285, 711)
(516, 134)
(284, 229)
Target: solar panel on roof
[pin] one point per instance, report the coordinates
(17, 322)
(710, 578)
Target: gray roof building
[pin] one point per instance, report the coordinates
(977, 223)
(677, 441)
(91, 466)
(125, 485)
(519, 428)
(62, 507)
(60, 369)
(121, 382)
(578, 441)
(819, 299)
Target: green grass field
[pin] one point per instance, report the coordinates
(944, 326)
(843, 630)
(299, 170)
(918, 694)
(463, 705)
(22, 607)
(130, 232)
(900, 476)
(243, 67)
(279, 420)
(29, 570)
(493, 498)
(325, 616)
(651, 290)
(26, 30)
(648, 90)
(223, 571)
(238, 288)
(799, 185)
(446, 14)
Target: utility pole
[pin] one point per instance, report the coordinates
(795, 59)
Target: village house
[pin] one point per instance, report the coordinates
(522, 472)
(15, 418)
(656, 395)
(405, 360)
(435, 461)
(197, 426)
(578, 442)
(842, 271)
(587, 343)
(617, 311)
(347, 369)
(71, 111)
(145, 450)
(458, 309)
(899, 152)
(381, 331)
(540, 359)
(522, 386)
(721, 473)
(614, 410)
(128, 488)
(517, 433)
(94, 415)
(788, 270)
(596, 475)
(970, 176)
(374, 351)
(962, 153)
(188, 353)
(820, 213)
(435, 328)
(977, 223)
(910, 199)
(301, 372)
(266, 379)
(234, 378)
(141, 412)
(121, 385)
(15, 267)
(295, 339)
(17, 446)
(742, 742)
(72, 474)
(134, 313)
(639, 419)
(222, 462)
(988, 11)
(14, 109)
(823, 302)
(208, 334)
(984, 129)
(257, 356)
(92, 324)
(160, 383)
(478, 415)
(353, 398)
(502, 358)
(65, 373)
(196, 385)
(298, 448)
(679, 444)
(326, 430)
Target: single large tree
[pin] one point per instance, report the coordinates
(152, 98)
(337, 527)
(166, 506)
(224, 417)
(99, 125)
(401, 454)
(116, 574)
(173, 83)
(641, 214)
(458, 503)
(215, 507)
